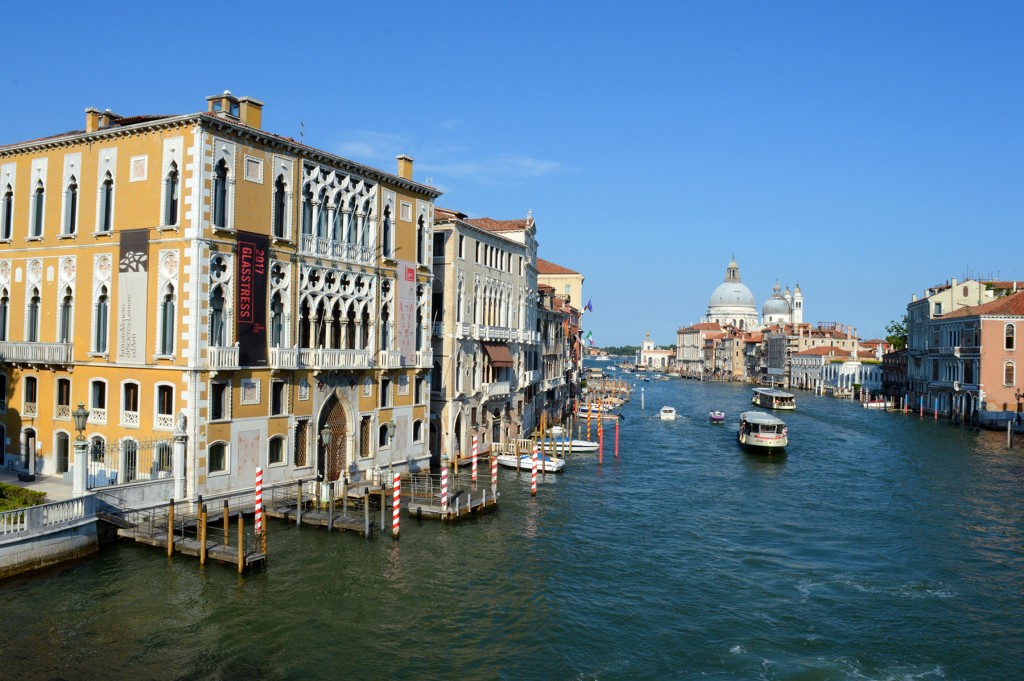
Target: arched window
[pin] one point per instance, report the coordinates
(98, 401)
(386, 237)
(382, 436)
(38, 206)
(307, 210)
(220, 194)
(166, 344)
(279, 207)
(71, 206)
(275, 453)
(1009, 374)
(99, 338)
(32, 332)
(171, 191)
(5, 312)
(421, 241)
(321, 217)
(130, 404)
(276, 321)
(106, 203)
(217, 323)
(164, 418)
(217, 457)
(1009, 340)
(64, 323)
(417, 431)
(31, 407)
(7, 213)
(97, 449)
(385, 328)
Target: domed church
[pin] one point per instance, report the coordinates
(732, 304)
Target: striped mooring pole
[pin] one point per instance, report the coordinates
(494, 476)
(396, 505)
(259, 500)
(444, 487)
(533, 472)
(474, 458)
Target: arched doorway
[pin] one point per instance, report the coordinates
(63, 452)
(28, 447)
(435, 440)
(331, 465)
(457, 439)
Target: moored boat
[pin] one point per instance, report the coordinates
(558, 443)
(548, 464)
(668, 413)
(717, 417)
(878, 404)
(762, 432)
(771, 398)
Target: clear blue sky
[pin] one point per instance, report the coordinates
(865, 149)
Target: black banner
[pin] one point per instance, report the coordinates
(251, 285)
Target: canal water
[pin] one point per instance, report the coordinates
(882, 546)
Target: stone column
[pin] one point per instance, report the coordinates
(180, 440)
(79, 481)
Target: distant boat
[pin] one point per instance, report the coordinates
(601, 358)
(668, 414)
(770, 398)
(717, 417)
(762, 432)
(878, 404)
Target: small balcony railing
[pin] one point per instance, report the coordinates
(164, 422)
(63, 412)
(390, 359)
(97, 415)
(437, 328)
(284, 358)
(326, 358)
(499, 389)
(31, 409)
(336, 250)
(225, 357)
(424, 359)
(130, 419)
(462, 330)
(35, 353)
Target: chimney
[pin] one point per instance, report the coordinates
(913, 298)
(105, 118)
(251, 112)
(953, 283)
(224, 105)
(92, 119)
(404, 166)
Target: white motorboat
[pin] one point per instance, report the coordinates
(717, 416)
(668, 413)
(770, 398)
(762, 432)
(548, 464)
(560, 445)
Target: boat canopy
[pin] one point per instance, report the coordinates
(761, 419)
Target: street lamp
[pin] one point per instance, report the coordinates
(80, 415)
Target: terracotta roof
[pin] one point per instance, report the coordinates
(1011, 306)
(546, 267)
(1007, 285)
(754, 337)
(703, 326)
(445, 214)
(874, 341)
(545, 287)
(492, 225)
(824, 350)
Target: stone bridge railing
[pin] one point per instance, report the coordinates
(34, 521)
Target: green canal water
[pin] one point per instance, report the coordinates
(882, 546)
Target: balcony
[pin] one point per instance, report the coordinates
(437, 328)
(462, 330)
(552, 383)
(63, 412)
(390, 359)
(495, 333)
(948, 351)
(323, 358)
(31, 410)
(425, 359)
(130, 419)
(164, 422)
(35, 353)
(531, 377)
(328, 248)
(225, 357)
(284, 358)
(496, 390)
(98, 415)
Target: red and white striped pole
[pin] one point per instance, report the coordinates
(444, 487)
(396, 505)
(533, 472)
(494, 476)
(259, 500)
(474, 457)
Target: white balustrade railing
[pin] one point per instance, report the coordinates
(390, 359)
(31, 409)
(63, 412)
(164, 422)
(46, 353)
(498, 389)
(337, 250)
(284, 358)
(97, 415)
(424, 359)
(225, 357)
(45, 518)
(327, 358)
(462, 329)
(130, 419)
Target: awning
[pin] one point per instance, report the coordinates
(499, 354)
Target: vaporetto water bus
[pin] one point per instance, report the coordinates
(770, 398)
(762, 432)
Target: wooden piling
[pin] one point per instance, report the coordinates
(170, 528)
(1009, 434)
(298, 504)
(330, 506)
(241, 543)
(227, 518)
(263, 536)
(366, 512)
(202, 536)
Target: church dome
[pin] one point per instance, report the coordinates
(732, 294)
(777, 305)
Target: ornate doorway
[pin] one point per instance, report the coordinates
(332, 463)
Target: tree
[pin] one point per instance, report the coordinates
(897, 337)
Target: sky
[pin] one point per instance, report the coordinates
(865, 150)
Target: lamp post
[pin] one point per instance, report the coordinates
(325, 438)
(391, 444)
(78, 483)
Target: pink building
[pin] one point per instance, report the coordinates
(977, 359)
